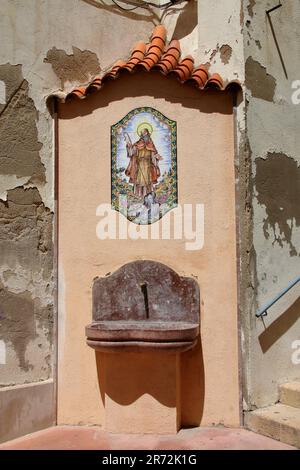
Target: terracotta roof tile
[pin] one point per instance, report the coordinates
(200, 76)
(169, 60)
(215, 79)
(156, 55)
(184, 69)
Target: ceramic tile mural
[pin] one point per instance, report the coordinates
(144, 165)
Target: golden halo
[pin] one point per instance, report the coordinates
(142, 126)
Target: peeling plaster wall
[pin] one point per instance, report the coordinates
(272, 123)
(46, 45)
(237, 38)
(221, 43)
(26, 294)
(220, 34)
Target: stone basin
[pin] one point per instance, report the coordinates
(138, 335)
(144, 305)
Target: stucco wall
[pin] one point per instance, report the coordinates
(239, 42)
(47, 45)
(210, 382)
(273, 146)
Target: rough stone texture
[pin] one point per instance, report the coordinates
(146, 290)
(289, 394)
(25, 409)
(26, 251)
(144, 304)
(279, 422)
(19, 154)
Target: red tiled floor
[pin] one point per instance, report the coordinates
(94, 438)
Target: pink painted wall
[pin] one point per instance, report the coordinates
(209, 380)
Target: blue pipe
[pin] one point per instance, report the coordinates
(263, 310)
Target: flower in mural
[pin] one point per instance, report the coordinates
(144, 167)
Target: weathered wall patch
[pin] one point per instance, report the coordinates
(25, 246)
(78, 66)
(261, 84)
(20, 146)
(278, 187)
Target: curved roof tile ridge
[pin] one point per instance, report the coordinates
(155, 55)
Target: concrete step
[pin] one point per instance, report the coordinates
(281, 422)
(289, 394)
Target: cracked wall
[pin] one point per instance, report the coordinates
(26, 242)
(46, 46)
(271, 65)
(26, 251)
(50, 45)
(264, 57)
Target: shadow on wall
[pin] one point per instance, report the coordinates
(187, 20)
(152, 84)
(129, 12)
(173, 379)
(187, 14)
(137, 374)
(192, 386)
(280, 326)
